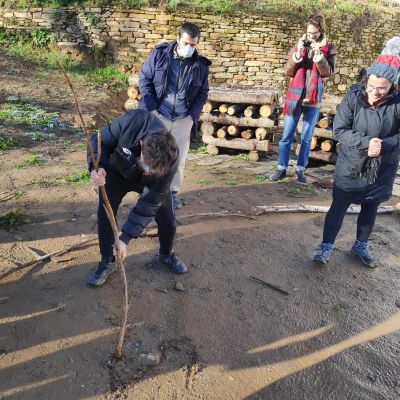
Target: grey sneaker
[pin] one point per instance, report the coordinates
(278, 175)
(360, 249)
(301, 177)
(176, 201)
(324, 252)
(105, 268)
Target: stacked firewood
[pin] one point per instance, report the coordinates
(239, 118)
(133, 93)
(323, 146)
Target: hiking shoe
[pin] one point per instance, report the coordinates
(176, 201)
(173, 263)
(324, 252)
(105, 268)
(360, 249)
(301, 178)
(278, 175)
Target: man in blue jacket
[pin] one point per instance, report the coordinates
(139, 155)
(173, 83)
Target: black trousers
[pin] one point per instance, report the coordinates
(117, 187)
(334, 220)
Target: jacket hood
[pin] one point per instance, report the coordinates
(149, 124)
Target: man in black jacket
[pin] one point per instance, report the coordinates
(137, 154)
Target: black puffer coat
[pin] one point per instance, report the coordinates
(127, 131)
(355, 123)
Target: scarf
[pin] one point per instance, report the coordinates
(297, 87)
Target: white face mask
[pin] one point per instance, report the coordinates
(186, 51)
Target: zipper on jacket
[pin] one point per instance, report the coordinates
(177, 88)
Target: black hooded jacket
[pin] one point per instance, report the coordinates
(127, 131)
(355, 124)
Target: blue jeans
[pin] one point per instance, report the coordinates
(310, 118)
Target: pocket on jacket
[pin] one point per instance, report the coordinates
(159, 77)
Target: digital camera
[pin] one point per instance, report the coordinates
(307, 43)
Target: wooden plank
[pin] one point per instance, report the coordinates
(329, 158)
(323, 133)
(244, 121)
(243, 95)
(238, 144)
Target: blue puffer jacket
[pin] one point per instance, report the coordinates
(127, 130)
(154, 74)
(355, 124)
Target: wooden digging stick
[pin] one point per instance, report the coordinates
(109, 213)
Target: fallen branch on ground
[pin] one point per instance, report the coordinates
(217, 214)
(270, 285)
(305, 208)
(46, 257)
(109, 212)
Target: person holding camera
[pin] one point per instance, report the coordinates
(310, 62)
(367, 127)
(139, 155)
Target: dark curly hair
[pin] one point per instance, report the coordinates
(159, 151)
(317, 20)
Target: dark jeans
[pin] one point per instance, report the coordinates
(334, 219)
(117, 187)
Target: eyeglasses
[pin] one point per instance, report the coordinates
(379, 90)
(313, 33)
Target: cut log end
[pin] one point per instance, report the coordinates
(213, 150)
(130, 104)
(133, 92)
(254, 156)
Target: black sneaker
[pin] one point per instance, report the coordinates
(173, 263)
(360, 249)
(105, 268)
(278, 175)
(176, 201)
(301, 177)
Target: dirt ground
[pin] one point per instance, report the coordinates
(225, 336)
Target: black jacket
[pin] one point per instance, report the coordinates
(355, 123)
(127, 131)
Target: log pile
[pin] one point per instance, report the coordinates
(323, 146)
(240, 118)
(133, 93)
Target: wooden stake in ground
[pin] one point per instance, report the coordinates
(110, 215)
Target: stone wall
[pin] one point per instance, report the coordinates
(245, 50)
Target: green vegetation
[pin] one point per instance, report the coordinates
(18, 194)
(222, 7)
(26, 113)
(338, 307)
(13, 219)
(32, 159)
(37, 46)
(78, 177)
(231, 182)
(198, 148)
(204, 182)
(83, 176)
(260, 178)
(6, 142)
